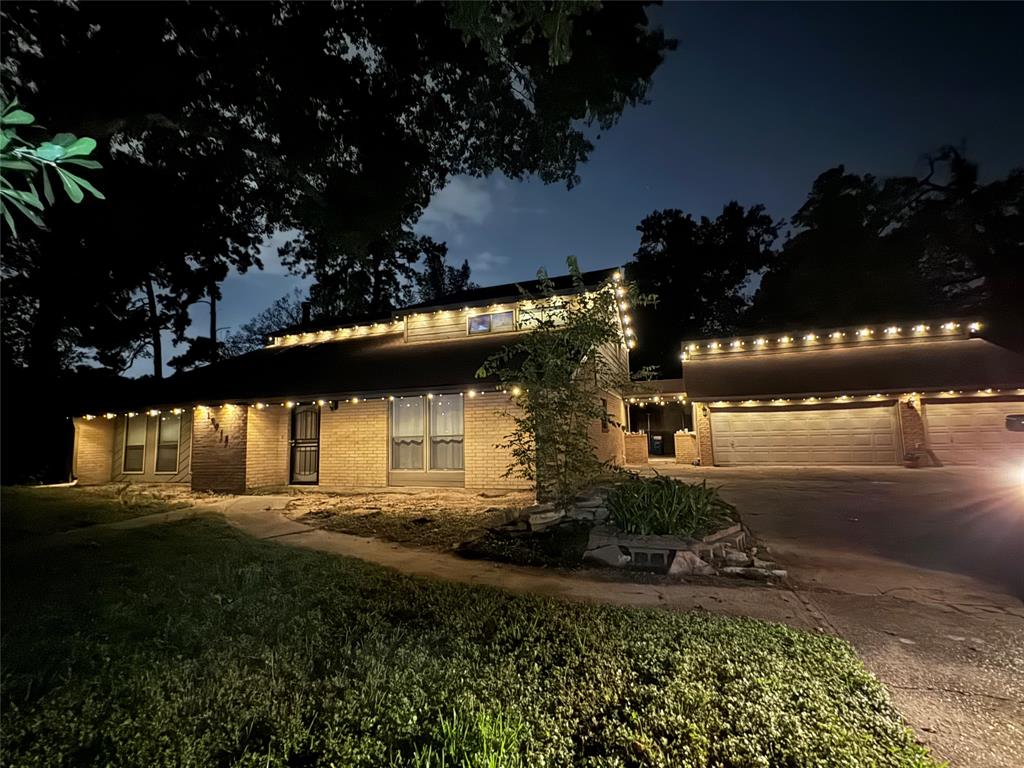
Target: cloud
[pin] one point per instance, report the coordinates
(487, 262)
(464, 199)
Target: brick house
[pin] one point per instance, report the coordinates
(388, 402)
(866, 395)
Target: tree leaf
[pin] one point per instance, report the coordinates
(70, 186)
(16, 165)
(82, 146)
(9, 219)
(28, 214)
(64, 139)
(50, 151)
(84, 163)
(17, 117)
(47, 187)
(85, 184)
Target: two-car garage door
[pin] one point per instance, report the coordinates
(810, 437)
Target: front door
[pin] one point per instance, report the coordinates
(305, 444)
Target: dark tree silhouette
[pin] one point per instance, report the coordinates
(438, 279)
(698, 270)
(218, 123)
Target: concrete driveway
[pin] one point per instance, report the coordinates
(922, 571)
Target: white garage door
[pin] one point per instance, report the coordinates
(840, 436)
(973, 433)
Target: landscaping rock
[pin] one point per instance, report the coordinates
(686, 563)
(581, 514)
(601, 513)
(734, 557)
(766, 564)
(540, 520)
(724, 532)
(587, 503)
(609, 555)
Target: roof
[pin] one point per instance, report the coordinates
(371, 366)
(956, 364)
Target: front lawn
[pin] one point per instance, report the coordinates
(27, 510)
(189, 644)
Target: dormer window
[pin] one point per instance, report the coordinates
(493, 322)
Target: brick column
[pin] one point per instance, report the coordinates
(702, 426)
(911, 423)
(686, 448)
(488, 422)
(93, 462)
(636, 448)
(219, 448)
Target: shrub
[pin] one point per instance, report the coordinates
(661, 505)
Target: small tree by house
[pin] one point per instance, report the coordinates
(557, 374)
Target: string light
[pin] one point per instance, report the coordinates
(516, 391)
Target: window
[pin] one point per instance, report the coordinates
(168, 435)
(414, 432)
(495, 322)
(446, 432)
(407, 433)
(135, 444)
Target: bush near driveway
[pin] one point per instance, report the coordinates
(189, 644)
(664, 506)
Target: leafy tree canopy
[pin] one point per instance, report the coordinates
(219, 123)
(698, 269)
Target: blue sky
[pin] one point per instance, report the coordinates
(756, 102)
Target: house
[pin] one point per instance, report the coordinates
(866, 395)
(393, 401)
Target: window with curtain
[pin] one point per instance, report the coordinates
(407, 440)
(446, 432)
(167, 439)
(135, 444)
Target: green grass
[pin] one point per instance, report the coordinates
(189, 644)
(29, 511)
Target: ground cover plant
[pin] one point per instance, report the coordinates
(190, 644)
(662, 505)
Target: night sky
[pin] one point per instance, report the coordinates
(755, 103)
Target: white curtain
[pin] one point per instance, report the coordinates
(407, 433)
(446, 432)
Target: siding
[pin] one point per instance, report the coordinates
(354, 444)
(93, 452)
(219, 448)
(487, 424)
(149, 473)
(267, 447)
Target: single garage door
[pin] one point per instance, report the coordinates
(826, 436)
(973, 433)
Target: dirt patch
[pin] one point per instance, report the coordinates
(559, 546)
(429, 518)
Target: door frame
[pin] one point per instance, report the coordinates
(291, 445)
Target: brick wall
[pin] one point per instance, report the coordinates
(912, 431)
(486, 426)
(219, 448)
(267, 447)
(354, 444)
(702, 426)
(636, 448)
(686, 447)
(94, 451)
(610, 445)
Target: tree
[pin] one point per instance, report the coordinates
(865, 249)
(283, 313)
(438, 279)
(339, 120)
(699, 269)
(556, 374)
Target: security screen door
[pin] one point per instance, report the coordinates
(305, 444)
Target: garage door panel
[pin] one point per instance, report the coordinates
(812, 437)
(973, 432)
